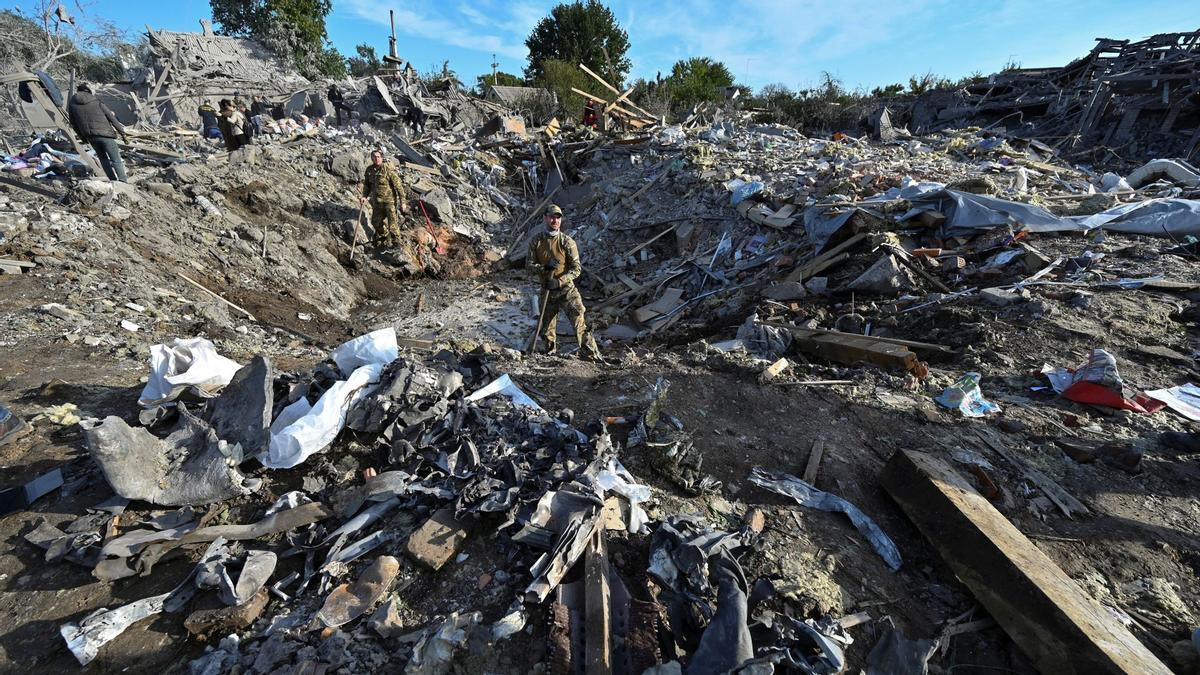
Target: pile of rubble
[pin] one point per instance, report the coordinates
(824, 307)
(1125, 100)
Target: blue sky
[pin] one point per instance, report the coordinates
(862, 42)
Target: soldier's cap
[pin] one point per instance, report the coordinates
(554, 210)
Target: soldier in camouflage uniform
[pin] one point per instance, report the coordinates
(554, 258)
(383, 187)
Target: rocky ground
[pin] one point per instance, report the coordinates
(75, 331)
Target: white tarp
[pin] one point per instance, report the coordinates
(1184, 399)
(616, 478)
(504, 386)
(316, 430)
(299, 431)
(191, 362)
(967, 213)
(374, 347)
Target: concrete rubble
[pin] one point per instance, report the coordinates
(340, 460)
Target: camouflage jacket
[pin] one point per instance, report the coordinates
(383, 184)
(559, 247)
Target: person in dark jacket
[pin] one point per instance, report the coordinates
(335, 97)
(209, 123)
(98, 126)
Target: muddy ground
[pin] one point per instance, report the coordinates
(1138, 551)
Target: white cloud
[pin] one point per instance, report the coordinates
(485, 27)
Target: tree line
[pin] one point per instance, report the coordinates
(577, 32)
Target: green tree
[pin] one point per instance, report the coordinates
(698, 79)
(560, 77)
(580, 32)
(919, 84)
(890, 90)
(501, 79)
(292, 29)
(366, 63)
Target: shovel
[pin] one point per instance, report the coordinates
(541, 318)
(357, 227)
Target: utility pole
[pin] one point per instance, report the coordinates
(392, 40)
(494, 64)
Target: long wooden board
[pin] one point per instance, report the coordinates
(1061, 628)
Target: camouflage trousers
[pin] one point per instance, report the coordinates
(386, 221)
(567, 299)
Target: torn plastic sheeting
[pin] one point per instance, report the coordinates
(86, 638)
(1184, 399)
(191, 362)
(616, 478)
(822, 223)
(1171, 217)
(966, 213)
(289, 415)
(317, 430)
(966, 397)
(376, 347)
(895, 653)
(807, 495)
(432, 654)
(726, 641)
(504, 386)
(1098, 382)
(511, 623)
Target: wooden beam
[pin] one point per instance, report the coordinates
(1061, 628)
(618, 100)
(911, 344)
(614, 90)
(597, 607)
(814, 462)
(597, 99)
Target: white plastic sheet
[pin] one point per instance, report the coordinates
(504, 386)
(301, 431)
(316, 430)
(374, 347)
(616, 477)
(289, 415)
(1184, 399)
(187, 362)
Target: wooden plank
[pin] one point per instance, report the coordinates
(628, 281)
(601, 80)
(649, 241)
(424, 169)
(1065, 501)
(1061, 628)
(814, 462)
(911, 344)
(17, 263)
(618, 100)
(851, 349)
(597, 608)
(812, 267)
(215, 295)
(597, 99)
